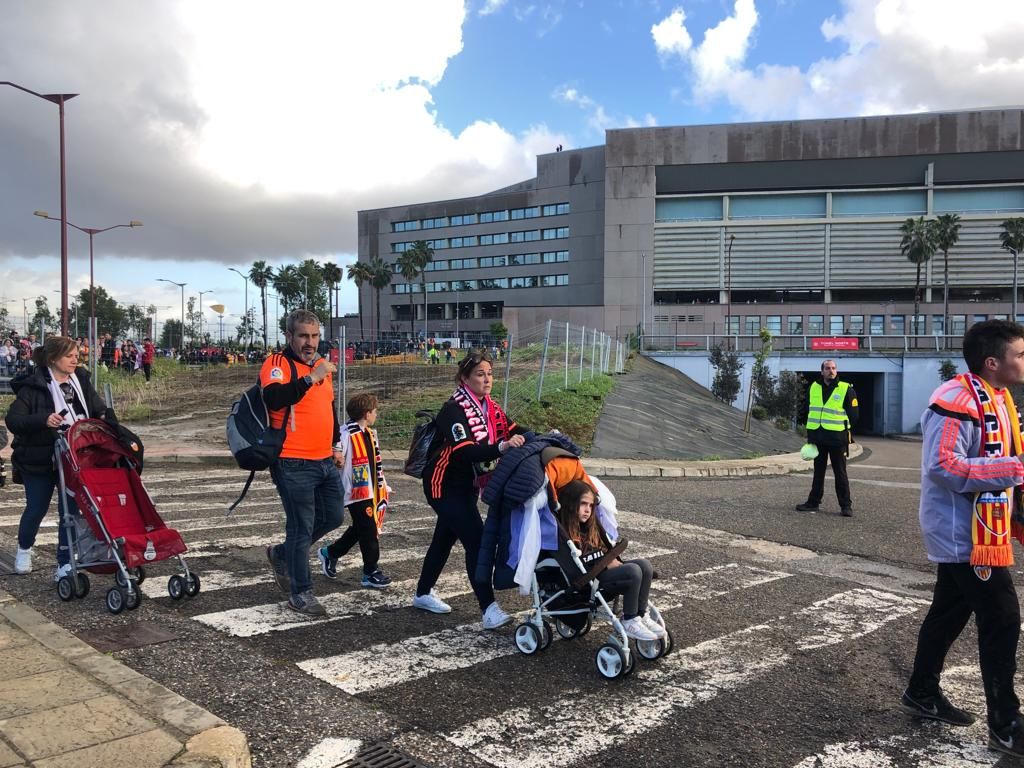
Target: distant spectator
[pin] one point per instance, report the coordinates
(148, 353)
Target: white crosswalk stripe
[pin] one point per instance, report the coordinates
(389, 664)
(550, 734)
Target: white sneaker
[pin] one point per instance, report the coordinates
(636, 629)
(62, 571)
(495, 617)
(654, 626)
(23, 561)
(431, 602)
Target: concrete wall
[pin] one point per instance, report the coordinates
(906, 382)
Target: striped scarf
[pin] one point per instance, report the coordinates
(487, 422)
(992, 526)
(368, 482)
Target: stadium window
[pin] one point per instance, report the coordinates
(815, 324)
(795, 325)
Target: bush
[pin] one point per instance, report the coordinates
(759, 412)
(801, 430)
(727, 365)
(947, 370)
(783, 424)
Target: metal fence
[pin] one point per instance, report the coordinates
(806, 343)
(528, 368)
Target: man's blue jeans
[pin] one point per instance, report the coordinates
(311, 493)
(38, 494)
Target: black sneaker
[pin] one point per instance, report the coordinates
(376, 580)
(936, 707)
(284, 582)
(846, 511)
(328, 564)
(1009, 739)
(806, 507)
(306, 603)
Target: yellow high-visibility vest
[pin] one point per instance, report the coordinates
(829, 414)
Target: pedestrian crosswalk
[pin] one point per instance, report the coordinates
(746, 615)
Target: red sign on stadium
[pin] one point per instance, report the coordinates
(835, 342)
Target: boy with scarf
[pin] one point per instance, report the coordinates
(971, 475)
(366, 493)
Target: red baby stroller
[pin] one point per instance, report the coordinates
(118, 530)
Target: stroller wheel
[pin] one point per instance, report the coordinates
(546, 636)
(176, 587)
(651, 649)
(528, 639)
(65, 589)
(668, 643)
(133, 599)
(567, 631)
(115, 600)
(82, 587)
(192, 584)
(611, 662)
(140, 574)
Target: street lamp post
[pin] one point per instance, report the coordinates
(246, 313)
(91, 232)
(201, 312)
(181, 348)
(58, 99)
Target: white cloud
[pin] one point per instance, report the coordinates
(670, 35)
(491, 6)
(598, 120)
(898, 56)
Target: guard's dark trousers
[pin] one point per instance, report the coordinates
(837, 455)
(959, 592)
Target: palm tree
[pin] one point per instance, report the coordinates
(288, 284)
(1012, 240)
(380, 277)
(359, 273)
(332, 276)
(918, 245)
(261, 275)
(947, 233)
(421, 254)
(409, 267)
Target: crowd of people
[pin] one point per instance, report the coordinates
(16, 353)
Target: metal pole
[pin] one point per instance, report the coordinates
(567, 355)
(583, 347)
(544, 359)
(508, 374)
(182, 350)
(63, 229)
(92, 315)
(593, 352)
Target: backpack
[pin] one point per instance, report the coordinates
(253, 442)
(419, 449)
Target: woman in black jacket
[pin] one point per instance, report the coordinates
(472, 432)
(54, 393)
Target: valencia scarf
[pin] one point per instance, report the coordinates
(487, 422)
(992, 526)
(368, 482)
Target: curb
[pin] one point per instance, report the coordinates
(208, 741)
(766, 466)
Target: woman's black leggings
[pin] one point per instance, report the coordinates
(632, 580)
(458, 519)
(363, 530)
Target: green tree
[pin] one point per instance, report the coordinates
(727, 364)
(947, 370)
(380, 278)
(110, 316)
(135, 319)
(918, 246)
(947, 233)
(498, 330)
(43, 320)
(409, 268)
(289, 286)
(170, 335)
(761, 379)
(5, 322)
(1012, 239)
(332, 275)
(311, 279)
(422, 255)
(192, 320)
(261, 275)
(359, 273)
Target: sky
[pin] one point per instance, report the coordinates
(243, 130)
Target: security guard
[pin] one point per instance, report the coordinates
(832, 412)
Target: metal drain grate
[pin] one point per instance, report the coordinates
(379, 756)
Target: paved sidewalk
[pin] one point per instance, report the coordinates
(66, 704)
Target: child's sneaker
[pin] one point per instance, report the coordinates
(376, 580)
(636, 629)
(652, 625)
(62, 571)
(495, 617)
(328, 564)
(431, 602)
(23, 561)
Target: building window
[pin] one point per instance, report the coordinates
(556, 209)
(520, 259)
(733, 325)
(774, 324)
(978, 319)
(751, 325)
(938, 325)
(836, 325)
(466, 218)
(857, 325)
(492, 283)
(523, 282)
(555, 233)
(877, 325)
(898, 324)
(795, 325)
(525, 213)
(553, 257)
(957, 325)
(917, 325)
(552, 280)
(815, 324)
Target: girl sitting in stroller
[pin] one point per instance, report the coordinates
(631, 579)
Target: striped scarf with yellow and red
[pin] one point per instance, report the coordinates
(992, 525)
(368, 482)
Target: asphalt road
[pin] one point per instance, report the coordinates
(794, 634)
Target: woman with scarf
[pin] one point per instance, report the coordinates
(472, 432)
(53, 393)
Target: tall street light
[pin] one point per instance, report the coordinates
(181, 349)
(246, 313)
(91, 232)
(58, 99)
